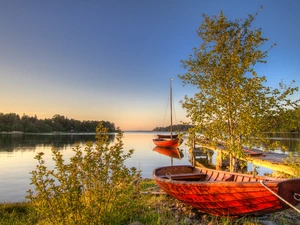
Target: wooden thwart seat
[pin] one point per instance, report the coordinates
(186, 176)
(218, 176)
(209, 176)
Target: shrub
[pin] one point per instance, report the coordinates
(294, 163)
(95, 187)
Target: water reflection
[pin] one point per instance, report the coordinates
(290, 140)
(29, 142)
(17, 152)
(170, 152)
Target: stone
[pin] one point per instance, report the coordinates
(267, 222)
(136, 223)
(187, 221)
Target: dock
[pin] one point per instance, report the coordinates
(271, 160)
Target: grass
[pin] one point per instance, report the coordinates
(157, 209)
(17, 213)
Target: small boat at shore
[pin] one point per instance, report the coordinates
(221, 193)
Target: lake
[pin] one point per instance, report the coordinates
(17, 152)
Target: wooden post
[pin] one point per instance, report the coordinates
(219, 160)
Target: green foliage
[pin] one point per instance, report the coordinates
(294, 162)
(285, 121)
(233, 105)
(17, 213)
(12, 122)
(95, 187)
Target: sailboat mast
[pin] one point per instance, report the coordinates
(171, 127)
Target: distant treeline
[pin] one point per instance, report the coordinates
(272, 124)
(178, 127)
(58, 123)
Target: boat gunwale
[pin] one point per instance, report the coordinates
(167, 143)
(265, 179)
(167, 136)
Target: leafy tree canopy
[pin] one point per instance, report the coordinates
(233, 105)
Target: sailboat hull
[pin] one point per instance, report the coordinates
(167, 143)
(167, 135)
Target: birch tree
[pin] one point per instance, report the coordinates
(233, 103)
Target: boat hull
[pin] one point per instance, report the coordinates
(167, 136)
(226, 194)
(167, 143)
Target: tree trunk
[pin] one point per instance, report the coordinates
(232, 163)
(219, 160)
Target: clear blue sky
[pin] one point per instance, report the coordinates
(113, 60)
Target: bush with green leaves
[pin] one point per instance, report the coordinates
(294, 163)
(95, 187)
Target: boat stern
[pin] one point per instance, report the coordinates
(289, 191)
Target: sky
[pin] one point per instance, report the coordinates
(113, 60)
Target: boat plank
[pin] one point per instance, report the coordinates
(186, 176)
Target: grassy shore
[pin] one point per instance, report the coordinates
(158, 209)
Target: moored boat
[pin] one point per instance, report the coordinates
(171, 152)
(167, 143)
(168, 140)
(167, 136)
(223, 193)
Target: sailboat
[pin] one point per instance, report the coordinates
(172, 140)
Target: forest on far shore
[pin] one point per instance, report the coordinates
(31, 124)
(175, 128)
(272, 124)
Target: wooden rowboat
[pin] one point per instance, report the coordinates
(223, 193)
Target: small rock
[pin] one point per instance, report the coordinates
(136, 223)
(177, 217)
(187, 221)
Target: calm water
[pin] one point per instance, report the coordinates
(17, 152)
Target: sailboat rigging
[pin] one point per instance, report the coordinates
(172, 140)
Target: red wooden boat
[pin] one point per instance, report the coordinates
(171, 140)
(167, 136)
(223, 193)
(171, 152)
(167, 143)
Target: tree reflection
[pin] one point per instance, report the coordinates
(24, 142)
